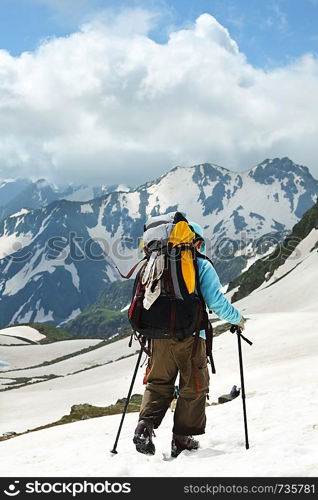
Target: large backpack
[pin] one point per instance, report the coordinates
(167, 300)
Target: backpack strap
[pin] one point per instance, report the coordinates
(195, 346)
(209, 345)
(136, 303)
(131, 270)
(142, 342)
(173, 315)
(171, 291)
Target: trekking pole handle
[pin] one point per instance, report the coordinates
(237, 329)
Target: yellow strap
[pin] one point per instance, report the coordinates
(188, 270)
(181, 235)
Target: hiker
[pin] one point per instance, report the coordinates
(188, 358)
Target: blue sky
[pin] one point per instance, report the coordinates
(269, 32)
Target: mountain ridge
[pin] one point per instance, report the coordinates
(106, 230)
(263, 269)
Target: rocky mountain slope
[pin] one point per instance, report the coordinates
(300, 246)
(106, 317)
(55, 261)
(25, 194)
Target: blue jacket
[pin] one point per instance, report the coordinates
(210, 287)
(213, 297)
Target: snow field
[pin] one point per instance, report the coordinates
(25, 332)
(9, 340)
(48, 401)
(279, 445)
(30, 355)
(281, 373)
(99, 356)
(297, 291)
(280, 380)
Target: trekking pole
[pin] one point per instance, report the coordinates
(128, 397)
(236, 329)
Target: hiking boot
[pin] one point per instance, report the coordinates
(143, 437)
(181, 443)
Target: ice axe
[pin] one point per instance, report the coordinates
(236, 329)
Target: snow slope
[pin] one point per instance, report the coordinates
(293, 286)
(8, 340)
(98, 386)
(281, 373)
(54, 398)
(281, 388)
(295, 291)
(101, 356)
(30, 355)
(25, 332)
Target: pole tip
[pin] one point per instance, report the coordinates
(114, 452)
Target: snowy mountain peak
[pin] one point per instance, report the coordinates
(277, 167)
(293, 181)
(45, 184)
(235, 207)
(16, 194)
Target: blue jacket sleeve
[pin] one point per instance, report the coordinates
(213, 297)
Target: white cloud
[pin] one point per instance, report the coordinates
(109, 104)
(280, 18)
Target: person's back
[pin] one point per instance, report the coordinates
(170, 357)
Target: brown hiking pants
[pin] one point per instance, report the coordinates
(168, 358)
